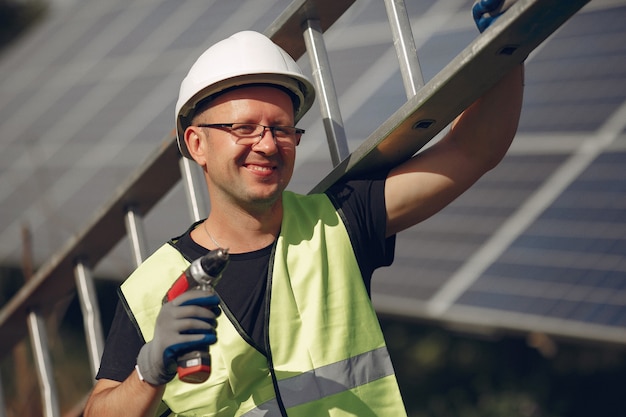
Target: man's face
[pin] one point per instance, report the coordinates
(249, 176)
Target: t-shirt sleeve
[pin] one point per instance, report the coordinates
(121, 347)
(361, 203)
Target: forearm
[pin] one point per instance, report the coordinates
(485, 130)
(132, 397)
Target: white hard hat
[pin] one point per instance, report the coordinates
(244, 58)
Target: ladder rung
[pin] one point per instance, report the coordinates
(41, 352)
(135, 234)
(404, 43)
(290, 21)
(326, 95)
(91, 314)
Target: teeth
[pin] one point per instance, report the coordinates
(259, 168)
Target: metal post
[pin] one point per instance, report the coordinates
(136, 237)
(193, 189)
(91, 315)
(333, 123)
(39, 339)
(404, 43)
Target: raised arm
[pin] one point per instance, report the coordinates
(476, 143)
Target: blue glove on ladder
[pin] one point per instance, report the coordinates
(485, 12)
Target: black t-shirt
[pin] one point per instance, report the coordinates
(243, 285)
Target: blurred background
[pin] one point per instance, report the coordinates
(512, 301)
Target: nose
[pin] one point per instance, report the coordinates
(265, 146)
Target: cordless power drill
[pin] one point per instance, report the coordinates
(203, 273)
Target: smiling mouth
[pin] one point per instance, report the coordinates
(259, 168)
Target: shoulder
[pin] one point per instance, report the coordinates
(361, 198)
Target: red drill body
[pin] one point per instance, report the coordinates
(203, 273)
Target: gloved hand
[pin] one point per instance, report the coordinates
(185, 324)
(485, 12)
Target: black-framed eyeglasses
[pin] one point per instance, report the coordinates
(250, 134)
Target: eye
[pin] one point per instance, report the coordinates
(284, 131)
(244, 129)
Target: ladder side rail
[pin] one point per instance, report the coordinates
(45, 376)
(327, 96)
(404, 43)
(91, 315)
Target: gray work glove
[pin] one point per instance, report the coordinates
(185, 324)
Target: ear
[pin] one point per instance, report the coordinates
(195, 144)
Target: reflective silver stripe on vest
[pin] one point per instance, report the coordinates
(267, 409)
(328, 380)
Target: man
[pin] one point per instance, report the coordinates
(298, 335)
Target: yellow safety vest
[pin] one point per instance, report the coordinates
(326, 355)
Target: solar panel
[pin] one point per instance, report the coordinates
(537, 244)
